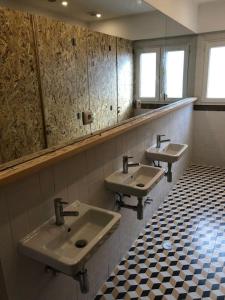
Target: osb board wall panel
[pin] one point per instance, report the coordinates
(21, 123)
(102, 79)
(63, 68)
(74, 77)
(125, 78)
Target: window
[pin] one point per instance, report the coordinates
(174, 74)
(162, 73)
(215, 88)
(148, 75)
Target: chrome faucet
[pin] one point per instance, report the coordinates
(60, 214)
(126, 164)
(159, 141)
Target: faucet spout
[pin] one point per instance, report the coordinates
(60, 214)
(70, 213)
(159, 140)
(165, 141)
(133, 164)
(126, 164)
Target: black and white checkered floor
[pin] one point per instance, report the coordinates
(192, 220)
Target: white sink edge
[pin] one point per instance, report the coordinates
(147, 188)
(154, 150)
(33, 232)
(45, 257)
(48, 259)
(164, 146)
(130, 172)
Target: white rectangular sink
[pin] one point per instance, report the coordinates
(55, 246)
(169, 153)
(138, 182)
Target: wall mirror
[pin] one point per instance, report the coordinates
(73, 68)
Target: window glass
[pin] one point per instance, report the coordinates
(215, 83)
(174, 74)
(148, 75)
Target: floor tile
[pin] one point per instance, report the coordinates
(192, 220)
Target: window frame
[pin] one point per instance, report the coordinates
(138, 77)
(209, 45)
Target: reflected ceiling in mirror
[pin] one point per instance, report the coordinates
(84, 11)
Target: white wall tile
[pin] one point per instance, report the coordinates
(94, 171)
(209, 138)
(47, 194)
(30, 202)
(60, 180)
(22, 198)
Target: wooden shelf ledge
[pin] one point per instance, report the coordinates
(23, 169)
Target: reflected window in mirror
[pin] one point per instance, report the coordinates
(162, 73)
(148, 75)
(174, 79)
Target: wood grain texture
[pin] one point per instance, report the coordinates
(24, 169)
(21, 123)
(63, 68)
(125, 79)
(102, 79)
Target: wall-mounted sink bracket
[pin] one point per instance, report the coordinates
(139, 208)
(157, 164)
(168, 173)
(81, 277)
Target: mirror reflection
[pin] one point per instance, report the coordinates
(71, 69)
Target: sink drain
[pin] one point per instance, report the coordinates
(81, 243)
(140, 185)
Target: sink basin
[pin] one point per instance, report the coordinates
(138, 182)
(169, 153)
(66, 248)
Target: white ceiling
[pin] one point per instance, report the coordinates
(81, 9)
